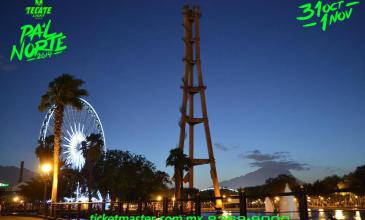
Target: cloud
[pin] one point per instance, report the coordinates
(221, 147)
(8, 67)
(5, 66)
(290, 165)
(277, 159)
(236, 146)
(256, 155)
(225, 148)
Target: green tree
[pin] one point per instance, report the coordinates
(32, 190)
(69, 180)
(181, 162)
(274, 185)
(92, 149)
(62, 91)
(356, 179)
(277, 184)
(44, 150)
(127, 176)
(324, 185)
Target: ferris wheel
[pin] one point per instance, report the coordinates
(76, 126)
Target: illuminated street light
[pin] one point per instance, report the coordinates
(173, 200)
(159, 198)
(46, 168)
(16, 199)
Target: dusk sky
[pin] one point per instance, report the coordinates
(273, 86)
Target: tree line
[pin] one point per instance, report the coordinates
(355, 181)
(120, 174)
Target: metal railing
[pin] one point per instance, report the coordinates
(242, 204)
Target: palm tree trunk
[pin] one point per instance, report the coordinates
(181, 183)
(89, 185)
(181, 188)
(56, 153)
(177, 183)
(89, 207)
(89, 192)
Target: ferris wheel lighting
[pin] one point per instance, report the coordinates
(77, 125)
(72, 151)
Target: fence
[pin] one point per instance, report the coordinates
(241, 204)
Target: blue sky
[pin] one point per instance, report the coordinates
(273, 86)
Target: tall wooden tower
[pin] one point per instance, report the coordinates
(190, 89)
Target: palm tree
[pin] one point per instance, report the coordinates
(181, 162)
(62, 91)
(92, 149)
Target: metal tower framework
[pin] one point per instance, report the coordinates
(190, 89)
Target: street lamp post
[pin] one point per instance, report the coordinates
(46, 168)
